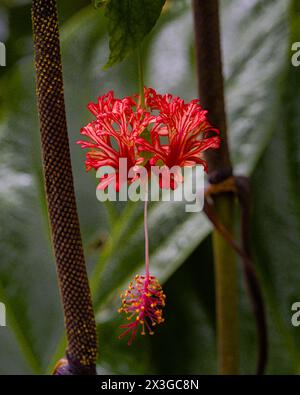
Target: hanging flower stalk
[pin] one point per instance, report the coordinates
(148, 130)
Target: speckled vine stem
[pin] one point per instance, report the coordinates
(73, 281)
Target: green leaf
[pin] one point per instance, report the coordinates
(129, 22)
(276, 226)
(27, 275)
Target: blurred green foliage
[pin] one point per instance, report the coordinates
(263, 94)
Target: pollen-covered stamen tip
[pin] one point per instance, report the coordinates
(143, 302)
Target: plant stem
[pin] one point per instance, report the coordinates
(141, 76)
(146, 238)
(142, 103)
(211, 92)
(61, 202)
(226, 291)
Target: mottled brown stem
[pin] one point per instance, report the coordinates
(223, 189)
(210, 79)
(211, 93)
(64, 223)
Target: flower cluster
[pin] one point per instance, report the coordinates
(166, 132)
(143, 303)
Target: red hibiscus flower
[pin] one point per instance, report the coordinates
(181, 132)
(112, 136)
(143, 303)
(167, 133)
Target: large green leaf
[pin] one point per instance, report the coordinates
(276, 228)
(27, 281)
